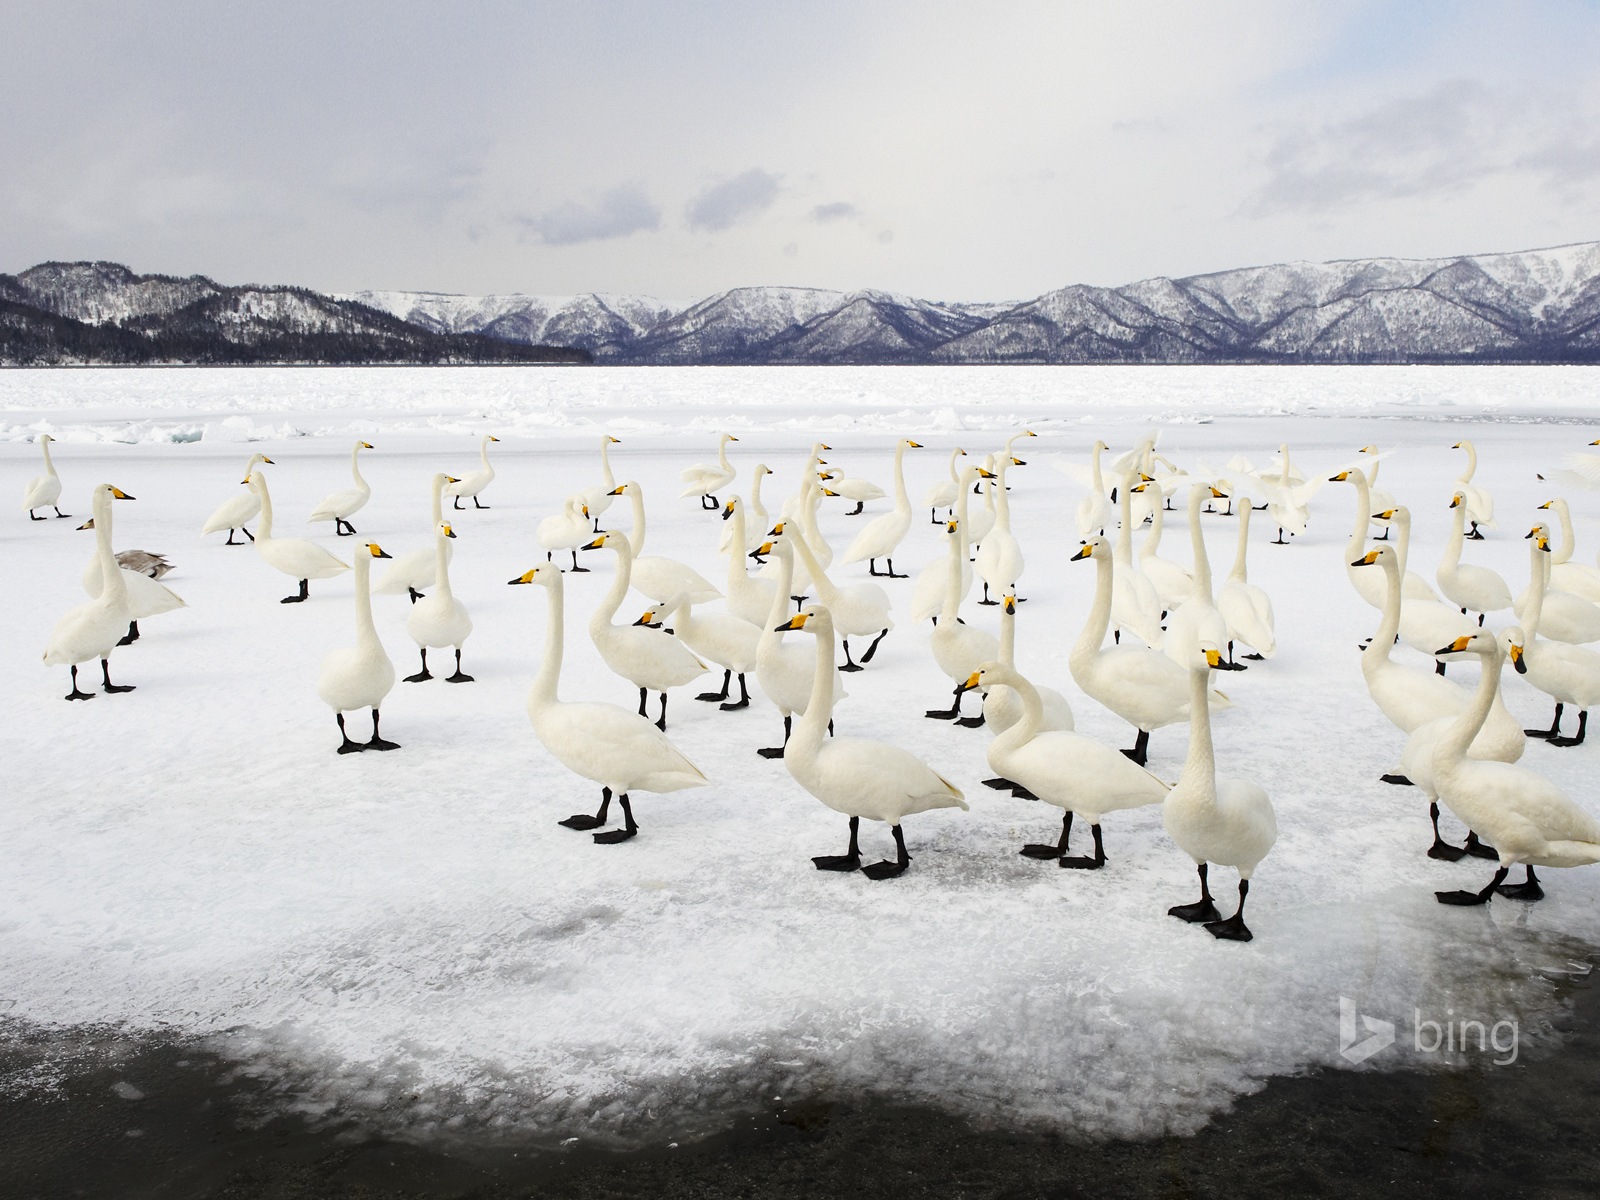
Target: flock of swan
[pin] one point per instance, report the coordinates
(1171, 630)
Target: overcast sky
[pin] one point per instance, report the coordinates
(958, 151)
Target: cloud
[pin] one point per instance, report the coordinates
(732, 201)
(838, 210)
(623, 210)
(1441, 142)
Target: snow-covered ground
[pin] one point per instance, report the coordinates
(412, 936)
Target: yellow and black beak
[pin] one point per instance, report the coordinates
(1086, 552)
(1213, 658)
(268, 461)
(1516, 652)
(969, 683)
(1386, 515)
(1455, 501)
(618, 490)
(366, 445)
(1368, 559)
(950, 526)
(449, 532)
(913, 445)
(985, 473)
(731, 438)
(596, 544)
(586, 510)
(1011, 605)
(1544, 544)
(246, 479)
(1547, 504)
(492, 438)
(1339, 478)
(451, 479)
(377, 551)
(1018, 462)
(826, 492)
(1457, 446)
(761, 551)
(118, 494)
(525, 577)
(776, 530)
(1455, 647)
(89, 524)
(1216, 495)
(727, 510)
(647, 618)
(798, 621)
(614, 441)
(825, 445)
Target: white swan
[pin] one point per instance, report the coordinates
(1197, 621)
(473, 485)
(1472, 588)
(654, 577)
(783, 669)
(749, 596)
(418, 569)
(1367, 585)
(856, 776)
(92, 630)
(1000, 562)
(44, 490)
(1216, 819)
(146, 596)
(1245, 608)
(958, 648)
(297, 558)
(239, 508)
(859, 610)
(943, 494)
(1173, 584)
(883, 533)
(1094, 510)
(1426, 622)
(1480, 504)
(1379, 502)
(339, 507)
(605, 743)
(1413, 698)
(1288, 496)
(756, 522)
(857, 489)
(706, 481)
(1144, 687)
(440, 620)
(1136, 606)
(1002, 707)
(566, 530)
(1578, 578)
(1526, 817)
(729, 641)
(1063, 768)
(651, 660)
(927, 594)
(1563, 616)
(982, 519)
(359, 676)
(1567, 674)
(600, 496)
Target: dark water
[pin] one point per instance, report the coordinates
(197, 1126)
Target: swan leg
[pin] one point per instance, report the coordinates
(1256, 657)
(644, 694)
(577, 570)
(476, 503)
(105, 676)
(1400, 781)
(986, 599)
(856, 511)
(933, 516)
(947, 714)
(661, 722)
(744, 697)
(714, 697)
(305, 592)
(584, 820)
(849, 860)
(424, 673)
(1474, 534)
(378, 741)
(346, 746)
(33, 516)
(830, 726)
(970, 722)
(1583, 721)
(1141, 748)
(1555, 726)
(458, 677)
(1203, 909)
(629, 827)
(777, 751)
(244, 531)
(873, 649)
(872, 567)
(230, 541)
(1233, 929)
(59, 513)
(1230, 665)
(1044, 850)
(1116, 637)
(413, 593)
(850, 664)
(886, 869)
(892, 574)
(1280, 541)
(1082, 863)
(1479, 849)
(1441, 849)
(76, 693)
(1466, 899)
(457, 504)
(1528, 889)
(131, 636)
(1438, 666)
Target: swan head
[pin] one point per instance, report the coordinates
(545, 574)
(762, 469)
(1372, 558)
(364, 446)
(377, 551)
(728, 437)
(951, 526)
(1368, 450)
(443, 529)
(827, 492)
(1457, 500)
(44, 437)
(727, 509)
(912, 445)
(488, 437)
(1548, 504)
(1010, 607)
(621, 489)
(776, 531)
(1019, 462)
(1088, 548)
(1484, 642)
(1339, 478)
(1216, 493)
(815, 619)
(760, 552)
(1514, 641)
(605, 539)
(110, 492)
(89, 524)
(1386, 515)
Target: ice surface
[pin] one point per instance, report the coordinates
(412, 936)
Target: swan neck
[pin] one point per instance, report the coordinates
(49, 466)
(549, 677)
(636, 534)
(112, 584)
(366, 631)
(355, 469)
(1472, 463)
(438, 500)
(1452, 549)
(1124, 519)
(1466, 726)
(1538, 582)
(1002, 504)
(780, 595)
(1563, 550)
(902, 502)
(441, 564)
(1200, 766)
(1197, 547)
(1094, 629)
(1358, 532)
(1099, 479)
(826, 591)
(738, 544)
(952, 588)
(1239, 571)
(1152, 540)
(1389, 623)
(264, 524)
(819, 708)
(607, 608)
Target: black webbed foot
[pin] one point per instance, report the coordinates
(1200, 910)
(1397, 780)
(1478, 849)
(837, 862)
(612, 836)
(883, 870)
(1528, 889)
(1232, 930)
(1445, 852)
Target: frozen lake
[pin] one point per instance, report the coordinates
(411, 936)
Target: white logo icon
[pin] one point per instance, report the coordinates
(1381, 1033)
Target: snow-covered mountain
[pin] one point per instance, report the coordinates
(1533, 306)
